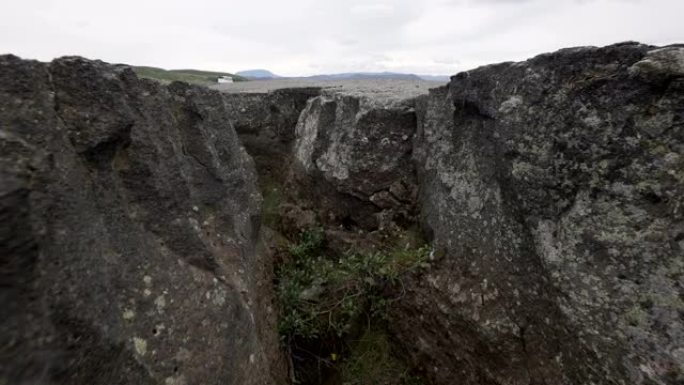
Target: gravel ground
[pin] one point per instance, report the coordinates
(385, 90)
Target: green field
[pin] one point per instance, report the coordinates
(189, 76)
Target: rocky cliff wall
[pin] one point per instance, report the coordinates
(130, 214)
(552, 190)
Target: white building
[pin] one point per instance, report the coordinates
(225, 79)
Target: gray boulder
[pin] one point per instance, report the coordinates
(354, 154)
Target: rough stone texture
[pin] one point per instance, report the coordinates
(357, 152)
(553, 190)
(128, 223)
(359, 175)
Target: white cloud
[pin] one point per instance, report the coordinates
(299, 37)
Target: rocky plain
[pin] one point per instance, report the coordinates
(150, 233)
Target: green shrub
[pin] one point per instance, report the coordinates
(327, 302)
(322, 297)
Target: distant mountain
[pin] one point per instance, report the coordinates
(436, 78)
(365, 75)
(188, 75)
(258, 74)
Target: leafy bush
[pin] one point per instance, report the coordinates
(325, 298)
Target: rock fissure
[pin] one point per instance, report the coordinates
(141, 240)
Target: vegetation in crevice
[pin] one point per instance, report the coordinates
(333, 310)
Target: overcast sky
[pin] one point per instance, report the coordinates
(303, 37)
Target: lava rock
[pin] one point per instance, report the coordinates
(129, 217)
(555, 188)
(355, 149)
